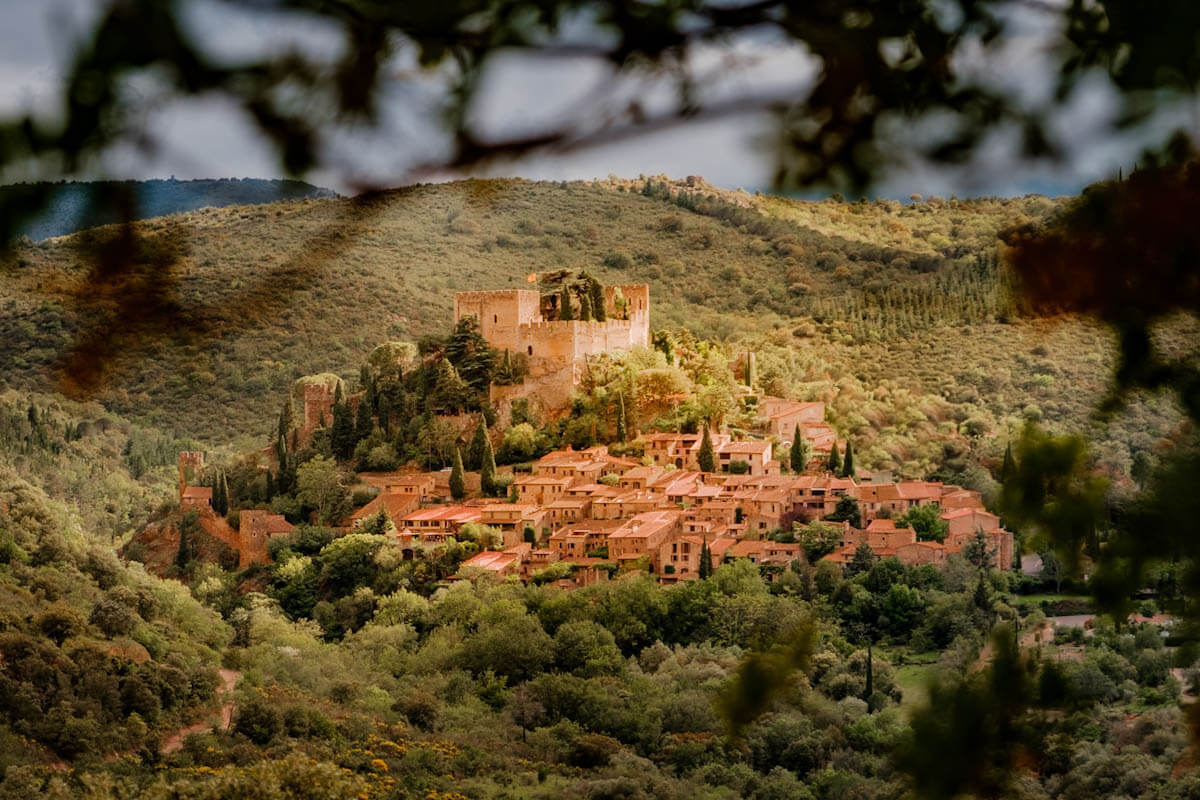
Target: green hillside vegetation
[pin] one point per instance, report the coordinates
(99, 657)
(111, 472)
(896, 315)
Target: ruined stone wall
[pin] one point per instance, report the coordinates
(191, 469)
(316, 406)
(638, 297)
(500, 314)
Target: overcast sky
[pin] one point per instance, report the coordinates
(206, 137)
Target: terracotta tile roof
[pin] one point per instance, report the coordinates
(491, 560)
(452, 513)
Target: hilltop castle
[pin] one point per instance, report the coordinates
(523, 321)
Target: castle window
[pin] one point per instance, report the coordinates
(495, 318)
(530, 349)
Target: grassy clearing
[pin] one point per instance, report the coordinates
(913, 680)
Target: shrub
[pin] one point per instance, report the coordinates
(615, 260)
(258, 720)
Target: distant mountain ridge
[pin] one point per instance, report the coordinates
(72, 207)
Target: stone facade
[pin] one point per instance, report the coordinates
(556, 350)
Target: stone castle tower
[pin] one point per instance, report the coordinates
(191, 469)
(512, 319)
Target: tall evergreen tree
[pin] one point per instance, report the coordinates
(622, 432)
(798, 457)
(1009, 466)
(458, 488)
(848, 461)
(751, 370)
(585, 307)
(270, 489)
(287, 416)
(706, 457)
(505, 374)
(221, 494)
(596, 291)
(363, 423)
(473, 358)
(450, 392)
(285, 476)
(478, 445)
(367, 384)
(834, 464)
(487, 470)
(706, 567)
(565, 311)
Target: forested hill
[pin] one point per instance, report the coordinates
(73, 207)
(895, 315)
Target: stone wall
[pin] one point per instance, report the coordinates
(191, 469)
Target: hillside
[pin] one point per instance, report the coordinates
(73, 205)
(895, 314)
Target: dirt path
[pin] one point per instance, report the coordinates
(174, 742)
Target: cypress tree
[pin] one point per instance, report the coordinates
(270, 490)
(363, 424)
(458, 489)
(565, 312)
(478, 443)
(622, 433)
(706, 567)
(848, 461)
(798, 458)
(596, 290)
(341, 435)
(367, 384)
(221, 494)
(706, 457)
(287, 417)
(585, 308)
(487, 470)
(750, 369)
(1009, 466)
(183, 555)
(834, 465)
(505, 374)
